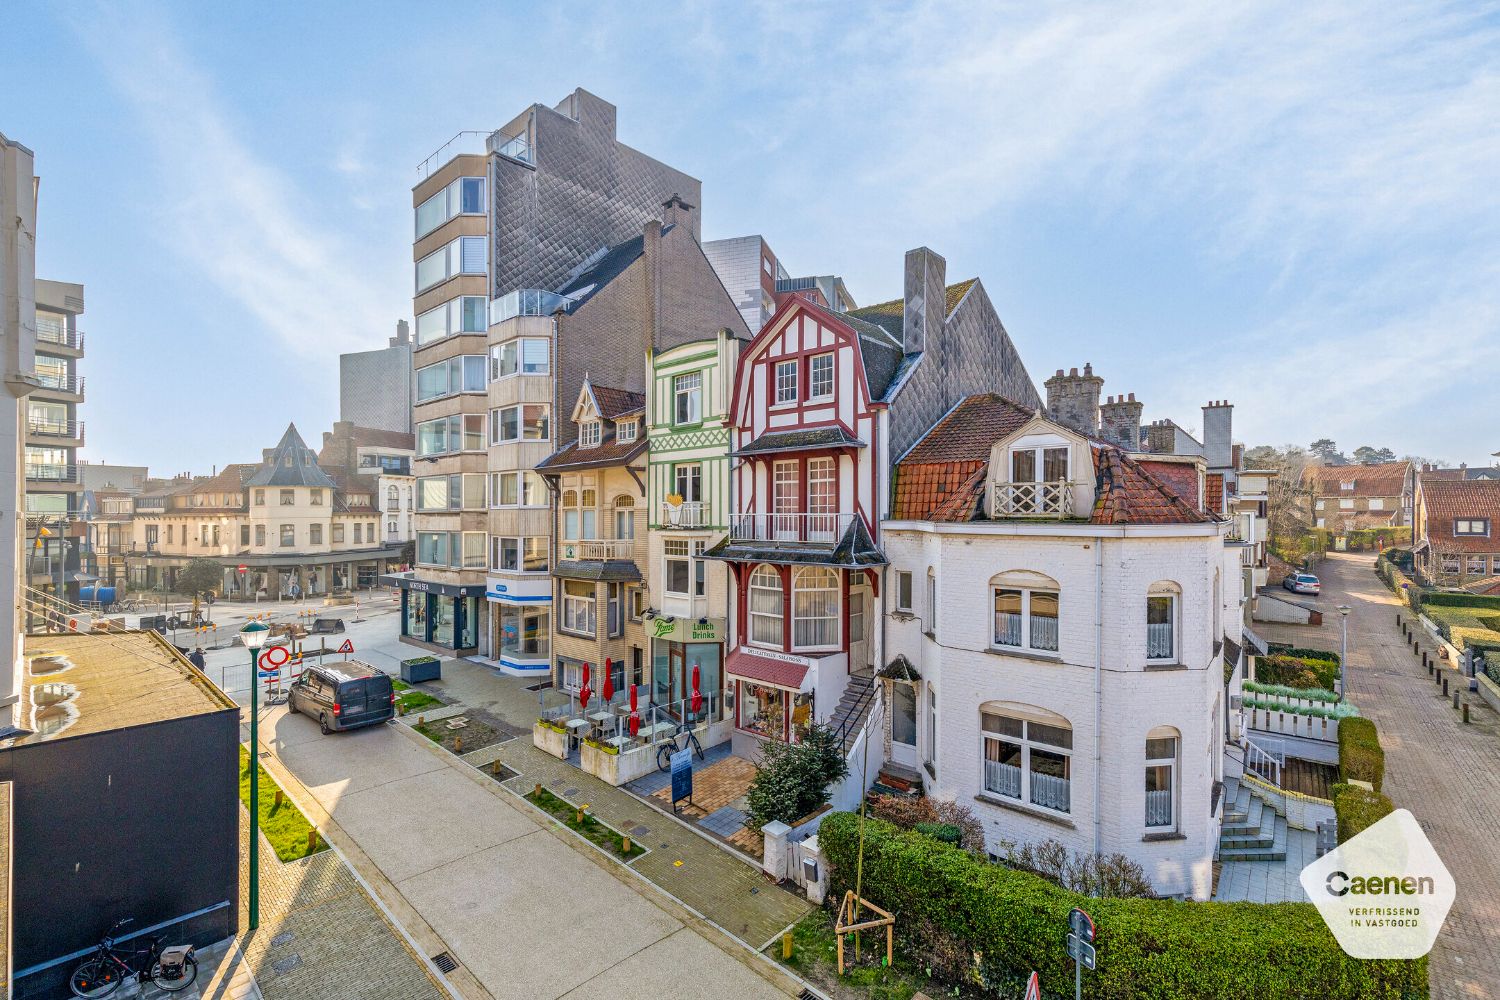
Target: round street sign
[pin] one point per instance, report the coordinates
(1082, 924)
(242, 568)
(269, 659)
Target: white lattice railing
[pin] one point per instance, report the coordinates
(824, 529)
(1053, 499)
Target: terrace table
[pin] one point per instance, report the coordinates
(618, 742)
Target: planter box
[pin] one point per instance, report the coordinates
(549, 740)
(421, 668)
(617, 768)
(1309, 727)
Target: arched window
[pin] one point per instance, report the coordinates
(766, 606)
(1026, 606)
(1028, 755)
(392, 498)
(1162, 747)
(1162, 608)
(625, 516)
(815, 608)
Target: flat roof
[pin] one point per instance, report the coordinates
(82, 683)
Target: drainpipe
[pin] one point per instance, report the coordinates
(1098, 688)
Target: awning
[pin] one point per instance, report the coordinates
(900, 669)
(766, 670)
(815, 439)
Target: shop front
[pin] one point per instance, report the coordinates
(443, 617)
(678, 647)
(521, 623)
(772, 699)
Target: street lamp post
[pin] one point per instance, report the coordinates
(1343, 651)
(254, 636)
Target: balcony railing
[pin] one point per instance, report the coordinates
(526, 302)
(61, 383)
(465, 143)
(56, 428)
(45, 473)
(597, 549)
(816, 529)
(62, 338)
(1051, 499)
(517, 147)
(688, 514)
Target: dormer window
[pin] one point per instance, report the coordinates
(626, 430)
(1347, 486)
(588, 434)
(1039, 465)
(1472, 526)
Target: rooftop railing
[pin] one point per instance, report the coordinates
(526, 302)
(464, 144)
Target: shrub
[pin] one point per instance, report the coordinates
(910, 813)
(971, 919)
(945, 833)
(1357, 809)
(1283, 691)
(1450, 600)
(1108, 875)
(1296, 671)
(1360, 756)
(1335, 710)
(793, 778)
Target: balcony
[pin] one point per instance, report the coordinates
(71, 430)
(810, 529)
(686, 515)
(71, 385)
(45, 473)
(469, 143)
(516, 147)
(597, 549)
(1050, 499)
(70, 339)
(526, 302)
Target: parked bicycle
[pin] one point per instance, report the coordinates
(172, 969)
(668, 746)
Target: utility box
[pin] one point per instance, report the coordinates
(421, 668)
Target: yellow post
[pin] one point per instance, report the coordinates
(458, 743)
(312, 841)
(624, 845)
(786, 946)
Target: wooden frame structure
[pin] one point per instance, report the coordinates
(849, 910)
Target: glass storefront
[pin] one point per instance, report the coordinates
(773, 713)
(451, 622)
(524, 631)
(672, 677)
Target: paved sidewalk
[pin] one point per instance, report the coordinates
(1446, 773)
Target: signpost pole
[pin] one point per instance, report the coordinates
(254, 906)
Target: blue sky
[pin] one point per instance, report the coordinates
(1295, 207)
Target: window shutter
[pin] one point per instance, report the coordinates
(472, 255)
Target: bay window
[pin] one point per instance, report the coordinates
(464, 314)
(815, 607)
(465, 255)
(516, 489)
(579, 612)
(455, 492)
(1161, 774)
(766, 606)
(464, 373)
(522, 356)
(524, 554)
(1028, 760)
(1026, 618)
(465, 196)
(445, 435)
(527, 422)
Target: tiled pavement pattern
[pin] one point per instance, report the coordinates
(1446, 773)
(321, 935)
(724, 889)
(223, 974)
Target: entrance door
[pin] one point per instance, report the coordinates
(904, 723)
(859, 646)
(681, 683)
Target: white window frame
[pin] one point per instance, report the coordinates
(527, 486)
(785, 388)
(627, 431)
(520, 410)
(454, 319)
(1170, 763)
(452, 256)
(814, 635)
(1026, 619)
(509, 359)
(1026, 744)
(758, 576)
(624, 511)
(580, 614)
(452, 200)
(675, 551)
(590, 432)
(687, 391)
(1474, 527)
(903, 591)
(813, 379)
(1174, 610)
(524, 548)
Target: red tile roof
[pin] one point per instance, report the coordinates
(1382, 479)
(1213, 492)
(1447, 500)
(611, 451)
(1179, 477)
(1125, 493)
(765, 670)
(229, 480)
(614, 402)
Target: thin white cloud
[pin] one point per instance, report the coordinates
(228, 211)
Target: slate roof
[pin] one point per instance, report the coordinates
(610, 451)
(944, 475)
(800, 440)
(231, 479)
(611, 570)
(881, 352)
(856, 549)
(292, 463)
(891, 316)
(1447, 500)
(615, 262)
(1382, 479)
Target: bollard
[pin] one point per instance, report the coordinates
(786, 946)
(1424, 658)
(537, 791)
(495, 766)
(625, 845)
(458, 741)
(312, 841)
(1445, 687)
(1429, 670)
(1398, 618)
(1466, 713)
(1455, 697)
(280, 797)
(579, 816)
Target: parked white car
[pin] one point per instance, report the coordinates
(1302, 583)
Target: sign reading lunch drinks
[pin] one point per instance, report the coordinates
(1385, 893)
(682, 629)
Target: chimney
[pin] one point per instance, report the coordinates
(651, 255)
(1073, 399)
(924, 299)
(403, 334)
(1120, 421)
(1218, 434)
(1161, 437)
(676, 212)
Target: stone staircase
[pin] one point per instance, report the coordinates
(1253, 830)
(853, 709)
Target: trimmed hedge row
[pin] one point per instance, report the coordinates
(1290, 670)
(949, 906)
(1302, 652)
(1285, 691)
(1360, 756)
(1358, 809)
(1444, 599)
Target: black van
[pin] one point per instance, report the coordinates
(343, 695)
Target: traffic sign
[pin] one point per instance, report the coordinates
(272, 673)
(1081, 951)
(242, 568)
(1033, 988)
(347, 647)
(270, 657)
(1082, 924)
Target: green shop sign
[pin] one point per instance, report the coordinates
(688, 629)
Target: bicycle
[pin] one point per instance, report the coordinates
(171, 969)
(669, 746)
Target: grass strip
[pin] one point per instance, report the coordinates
(592, 829)
(283, 825)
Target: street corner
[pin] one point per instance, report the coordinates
(1385, 893)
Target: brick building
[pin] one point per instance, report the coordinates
(1346, 498)
(1457, 531)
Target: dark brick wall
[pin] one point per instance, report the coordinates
(973, 354)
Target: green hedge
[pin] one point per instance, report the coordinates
(1291, 670)
(1358, 809)
(1444, 599)
(1302, 652)
(1360, 756)
(1333, 710)
(1284, 691)
(950, 905)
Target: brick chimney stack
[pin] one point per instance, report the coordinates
(676, 212)
(1073, 399)
(1161, 437)
(1120, 421)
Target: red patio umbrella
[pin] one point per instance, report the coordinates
(697, 695)
(635, 716)
(609, 684)
(584, 693)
